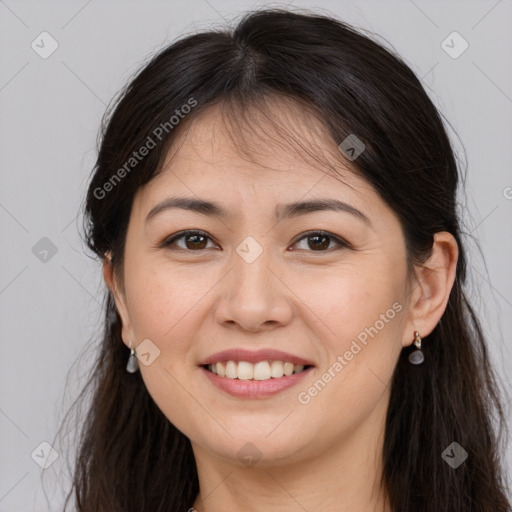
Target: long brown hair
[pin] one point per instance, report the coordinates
(130, 457)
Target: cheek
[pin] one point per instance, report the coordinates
(336, 307)
(363, 308)
(354, 298)
(163, 304)
(352, 302)
(163, 308)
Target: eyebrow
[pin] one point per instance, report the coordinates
(282, 211)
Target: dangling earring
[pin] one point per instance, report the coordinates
(133, 364)
(417, 356)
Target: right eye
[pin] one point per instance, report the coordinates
(194, 240)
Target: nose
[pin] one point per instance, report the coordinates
(254, 296)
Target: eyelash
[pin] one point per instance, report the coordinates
(183, 234)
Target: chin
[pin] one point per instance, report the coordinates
(264, 448)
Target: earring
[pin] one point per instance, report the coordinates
(417, 356)
(133, 364)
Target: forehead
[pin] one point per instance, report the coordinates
(278, 146)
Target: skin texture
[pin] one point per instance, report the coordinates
(323, 455)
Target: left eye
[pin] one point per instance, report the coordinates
(320, 240)
(195, 240)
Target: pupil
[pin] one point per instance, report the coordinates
(324, 245)
(195, 242)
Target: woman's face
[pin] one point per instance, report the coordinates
(256, 282)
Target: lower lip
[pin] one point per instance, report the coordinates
(254, 388)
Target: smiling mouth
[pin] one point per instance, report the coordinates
(260, 371)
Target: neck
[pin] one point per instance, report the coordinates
(344, 477)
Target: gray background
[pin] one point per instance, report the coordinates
(50, 115)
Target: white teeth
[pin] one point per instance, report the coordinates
(263, 370)
(245, 371)
(221, 370)
(276, 369)
(288, 368)
(231, 370)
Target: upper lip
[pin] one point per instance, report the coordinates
(254, 356)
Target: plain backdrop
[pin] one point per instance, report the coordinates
(50, 290)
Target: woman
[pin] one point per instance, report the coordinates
(285, 323)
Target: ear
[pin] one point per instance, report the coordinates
(119, 295)
(431, 288)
